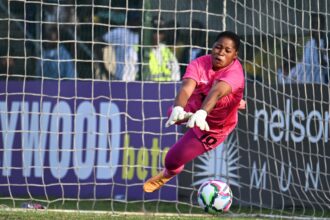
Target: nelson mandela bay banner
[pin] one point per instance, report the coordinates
(84, 139)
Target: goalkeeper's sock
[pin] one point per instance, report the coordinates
(156, 182)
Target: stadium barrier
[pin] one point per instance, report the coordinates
(94, 140)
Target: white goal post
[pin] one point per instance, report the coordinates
(82, 115)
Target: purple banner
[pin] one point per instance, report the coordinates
(83, 139)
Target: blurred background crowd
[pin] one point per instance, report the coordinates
(122, 40)
(109, 41)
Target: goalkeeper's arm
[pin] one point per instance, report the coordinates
(219, 89)
(178, 115)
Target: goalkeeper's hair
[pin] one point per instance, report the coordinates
(229, 34)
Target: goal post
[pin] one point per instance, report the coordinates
(74, 135)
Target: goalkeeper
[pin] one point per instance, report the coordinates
(209, 98)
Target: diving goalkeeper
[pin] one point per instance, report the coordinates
(209, 98)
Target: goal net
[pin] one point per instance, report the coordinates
(84, 95)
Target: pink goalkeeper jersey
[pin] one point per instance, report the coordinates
(223, 118)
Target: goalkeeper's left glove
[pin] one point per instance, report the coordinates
(199, 119)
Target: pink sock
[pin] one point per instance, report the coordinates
(171, 173)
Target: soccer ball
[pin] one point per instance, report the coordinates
(214, 196)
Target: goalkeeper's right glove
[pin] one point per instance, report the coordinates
(178, 114)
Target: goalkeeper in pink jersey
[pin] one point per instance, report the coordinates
(209, 98)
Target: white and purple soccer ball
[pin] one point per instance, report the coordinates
(215, 196)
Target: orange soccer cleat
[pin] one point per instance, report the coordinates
(155, 182)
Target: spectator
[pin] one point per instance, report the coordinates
(7, 64)
(64, 16)
(12, 65)
(105, 65)
(259, 62)
(56, 61)
(288, 65)
(163, 65)
(313, 68)
(197, 45)
(124, 41)
(173, 38)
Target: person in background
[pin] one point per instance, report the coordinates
(260, 64)
(285, 74)
(173, 39)
(314, 65)
(196, 44)
(162, 63)
(56, 61)
(124, 41)
(105, 65)
(210, 96)
(7, 64)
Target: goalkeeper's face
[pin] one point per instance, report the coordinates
(223, 53)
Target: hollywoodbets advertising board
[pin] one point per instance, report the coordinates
(89, 139)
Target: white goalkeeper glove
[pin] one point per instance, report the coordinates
(199, 119)
(177, 114)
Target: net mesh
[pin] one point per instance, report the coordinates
(84, 97)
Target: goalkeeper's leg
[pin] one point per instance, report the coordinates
(185, 150)
(156, 182)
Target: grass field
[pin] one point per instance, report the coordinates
(54, 215)
(66, 209)
(102, 210)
